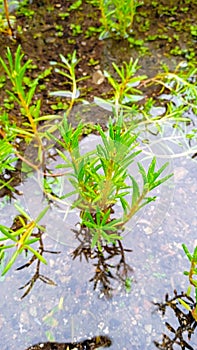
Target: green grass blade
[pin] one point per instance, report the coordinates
(136, 191)
(42, 214)
(11, 262)
(143, 173)
(22, 212)
(40, 257)
(187, 252)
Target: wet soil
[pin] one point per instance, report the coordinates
(44, 35)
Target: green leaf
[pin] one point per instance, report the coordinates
(111, 130)
(112, 225)
(8, 233)
(22, 212)
(13, 96)
(194, 282)
(35, 110)
(150, 174)
(11, 262)
(81, 171)
(3, 247)
(68, 194)
(143, 173)
(115, 237)
(106, 216)
(88, 216)
(126, 161)
(157, 173)
(89, 224)
(195, 255)
(42, 214)
(187, 252)
(106, 236)
(159, 182)
(136, 190)
(5, 67)
(10, 59)
(98, 217)
(189, 289)
(186, 273)
(31, 241)
(40, 257)
(95, 239)
(125, 204)
(63, 156)
(117, 69)
(112, 81)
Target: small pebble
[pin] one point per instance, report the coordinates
(98, 77)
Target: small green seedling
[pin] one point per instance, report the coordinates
(192, 275)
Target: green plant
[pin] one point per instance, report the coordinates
(193, 30)
(117, 17)
(137, 43)
(76, 5)
(16, 71)
(101, 179)
(6, 156)
(68, 66)
(192, 275)
(92, 31)
(22, 93)
(76, 29)
(24, 9)
(125, 91)
(23, 237)
(7, 161)
(181, 83)
(128, 284)
(59, 29)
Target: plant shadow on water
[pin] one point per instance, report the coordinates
(186, 323)
(37, 275)
(106, 269)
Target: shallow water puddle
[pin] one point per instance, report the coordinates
(72, 310)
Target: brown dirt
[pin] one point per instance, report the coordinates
(40, 42)
(45, 35)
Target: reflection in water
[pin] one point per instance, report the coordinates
(186, 323)
(37, 275)
(88, 344)
(106, 269)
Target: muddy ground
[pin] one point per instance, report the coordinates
(43, 35)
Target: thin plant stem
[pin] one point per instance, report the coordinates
(10, 29)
